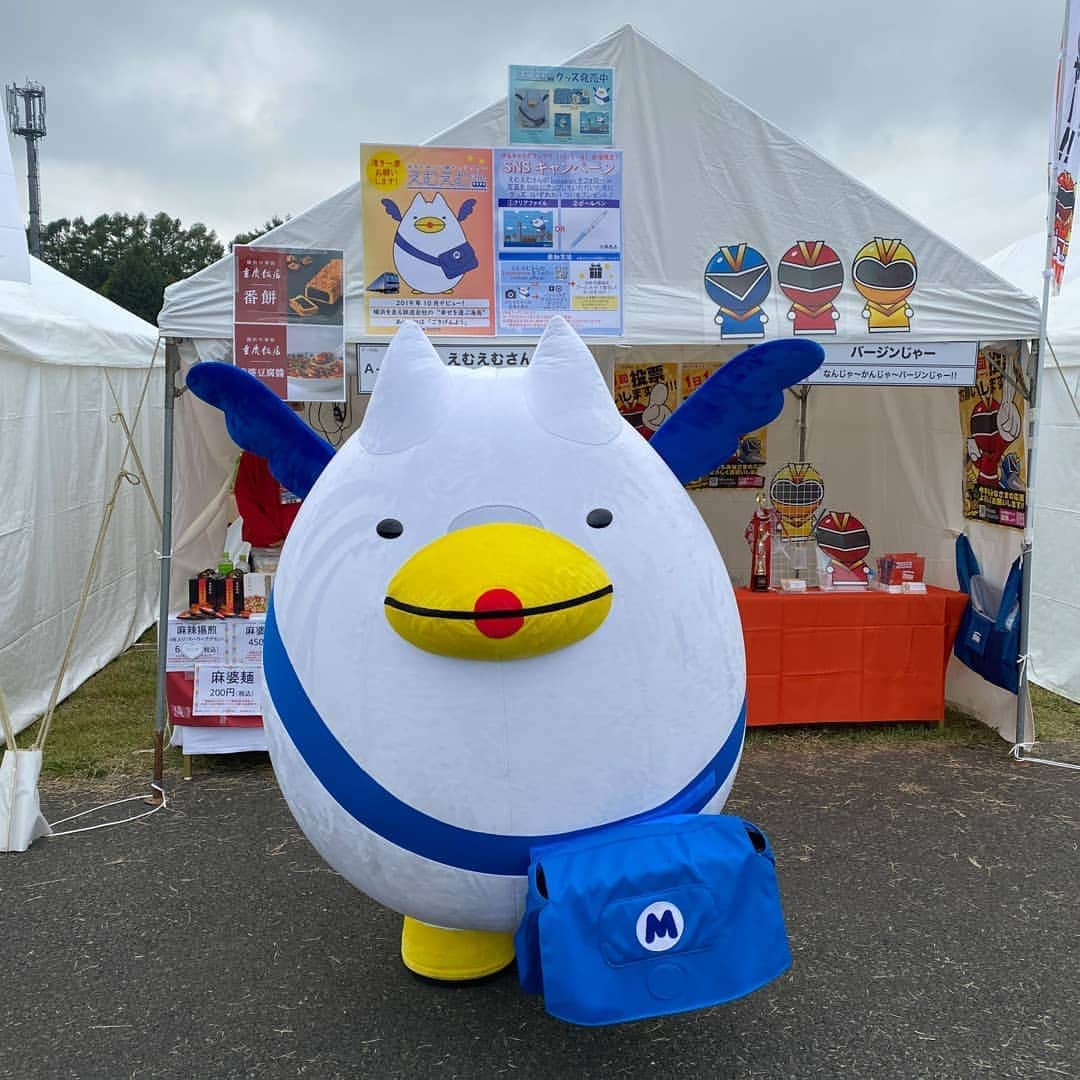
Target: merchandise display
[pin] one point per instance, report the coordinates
(900, 568)
(843, 539)
(759, 536)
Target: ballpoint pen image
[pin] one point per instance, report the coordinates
(588, 229)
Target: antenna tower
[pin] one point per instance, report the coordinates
(29, 122)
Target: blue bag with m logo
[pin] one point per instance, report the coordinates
(650, 918)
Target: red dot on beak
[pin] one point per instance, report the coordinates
(501, 625)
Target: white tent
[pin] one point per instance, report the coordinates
(1055, 586)
(60, 346)
(702, 170)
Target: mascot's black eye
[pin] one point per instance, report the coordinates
(389, 528)
(599, 518)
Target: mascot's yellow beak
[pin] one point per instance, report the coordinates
(498, 592)
(430, 224)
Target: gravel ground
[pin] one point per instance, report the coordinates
(932, 897)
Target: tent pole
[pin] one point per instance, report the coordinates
(804, 394)
(172, 366)
(1023, 695)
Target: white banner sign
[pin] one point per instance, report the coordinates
(227, 690)
(491, 354)
(1067, 148)
(898, 363)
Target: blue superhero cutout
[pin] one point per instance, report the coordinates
(738, 281)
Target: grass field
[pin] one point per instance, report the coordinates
(106, 727)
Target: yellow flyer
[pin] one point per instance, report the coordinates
(743, 468)
(427, 218)
(992, 422)
(646, 394)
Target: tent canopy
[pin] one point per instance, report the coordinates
(1055, 578)
(701, 170)
(59, 457)
(1022, 263)
(55, 320)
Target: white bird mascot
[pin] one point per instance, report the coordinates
(499, 623)
(431, 252)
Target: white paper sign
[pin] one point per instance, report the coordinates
(491, 354)
(898, 363)
(196, 641)
(227, 690)
(247, 644)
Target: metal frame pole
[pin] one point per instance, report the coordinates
(1023, 694)
(172, 367)
(804, 395)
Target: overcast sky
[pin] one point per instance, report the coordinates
(228, 113)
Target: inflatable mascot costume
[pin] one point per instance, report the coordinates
(505, 673)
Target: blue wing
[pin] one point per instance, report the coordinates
(745, 394)
(259, 421)
(466, 209)
(391, 208)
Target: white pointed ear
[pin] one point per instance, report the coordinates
(565, 391)
(411, 394)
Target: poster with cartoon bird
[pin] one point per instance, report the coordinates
(426, 213)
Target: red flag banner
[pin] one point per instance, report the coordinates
(1067, 146)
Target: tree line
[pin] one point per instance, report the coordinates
(131, 258)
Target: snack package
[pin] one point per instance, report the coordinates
(257, 589)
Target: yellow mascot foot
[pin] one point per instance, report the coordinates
(453, 955)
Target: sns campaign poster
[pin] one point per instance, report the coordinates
(428, 246)
(559, 233)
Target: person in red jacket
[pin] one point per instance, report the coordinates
(268, 509)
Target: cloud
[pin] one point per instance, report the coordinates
(962, 186)
(230, 114)
(247, 77)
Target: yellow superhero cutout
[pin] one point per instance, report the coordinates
(796, 491)
(884, 273)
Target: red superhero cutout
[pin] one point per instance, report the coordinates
(811, 276)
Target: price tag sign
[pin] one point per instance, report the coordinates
(227, 690)
(196, 641)
(248, 640)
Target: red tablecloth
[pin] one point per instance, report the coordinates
(179, 694)
(836, 657)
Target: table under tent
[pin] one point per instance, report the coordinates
(701, 171)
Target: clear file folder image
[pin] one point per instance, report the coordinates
(594, 123)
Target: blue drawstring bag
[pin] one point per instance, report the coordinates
(651, 918)
(988, 640)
